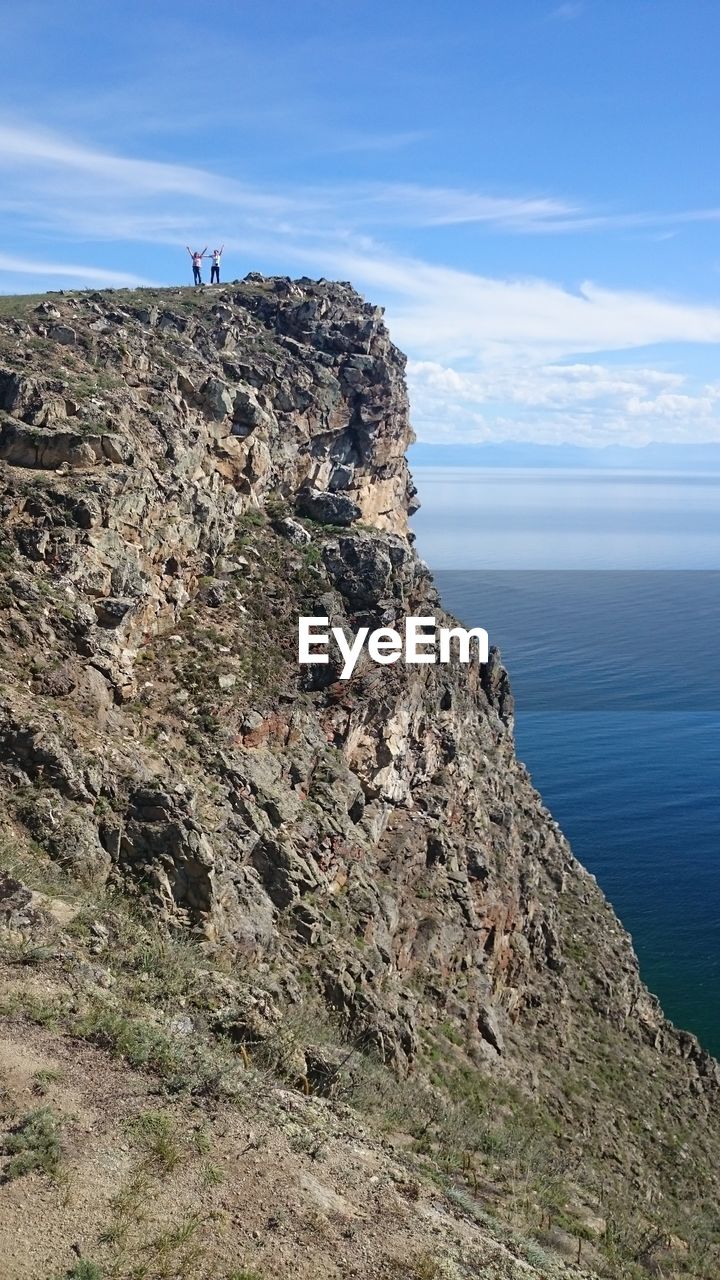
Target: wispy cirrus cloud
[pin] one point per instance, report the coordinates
(77, 275)
(465, 315)
(38, 163)
(567, 12)
(390, 141)
(40, 157)
(491, 354)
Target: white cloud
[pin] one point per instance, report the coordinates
(560, 403)
(81, 275)
(439, 312)
(39, 163)
(493, 357)
(48, 157)
(43, 161)
(412, 204)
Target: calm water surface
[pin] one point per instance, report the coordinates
(603, 592)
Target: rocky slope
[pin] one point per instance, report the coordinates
(380, 912)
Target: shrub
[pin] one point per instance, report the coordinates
(84, 1270)
(35, 1144)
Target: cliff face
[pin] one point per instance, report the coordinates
(182, 476)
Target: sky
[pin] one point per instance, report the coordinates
(530, 188)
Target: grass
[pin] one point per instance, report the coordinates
(249, 520)
(84, 1270)
(156, 1135)
(135, 1039)
(423, 1267)
(464, 1126)
(212, 1175)
(19, 305)
(34, 1145)
(43, 1079)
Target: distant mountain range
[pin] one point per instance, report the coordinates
(651, 457)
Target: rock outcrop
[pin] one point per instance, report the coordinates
(183, 475)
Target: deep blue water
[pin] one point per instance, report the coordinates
(603, 592)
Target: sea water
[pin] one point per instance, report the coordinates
(602, 591)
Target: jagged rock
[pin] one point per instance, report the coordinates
(16, 904)
(57, 683)
(341, 477)
(111, 611)
(247, 412)
(217, 399)
(33, 543)
(161, 842)
(328, 508)
(375, 842)
(28, 447)
(497, 687)
(330, 1070)
(361, 568)
(112, 448)
(74, 843)
(293, 531)
(87, 512)
(63, 334)
(14, 390)
(488, 1027)
(284, 872)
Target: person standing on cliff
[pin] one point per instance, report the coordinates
(215, 265)
(197, 258)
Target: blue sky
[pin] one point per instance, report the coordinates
(530, 188)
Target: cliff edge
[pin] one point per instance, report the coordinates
(335, 911)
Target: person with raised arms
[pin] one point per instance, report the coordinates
(197, 258)
(216, 255)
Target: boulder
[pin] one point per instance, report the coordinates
(63, 334)
(112, 610)
(327, 507)
(360, 567)
(217, 399)
(295, 532)
(23, 446)
(488, 1027)
(247, 412)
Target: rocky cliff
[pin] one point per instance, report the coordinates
(379, 905)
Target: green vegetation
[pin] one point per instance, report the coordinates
(19, 305)
(84, 1270)
(33, 1145)
(421, 1268)
(480, 1138)
(43, 1079)
(155, 1133)
(212, 1175)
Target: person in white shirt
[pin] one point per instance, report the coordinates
(215, 265)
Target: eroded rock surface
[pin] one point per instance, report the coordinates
(182, 475)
